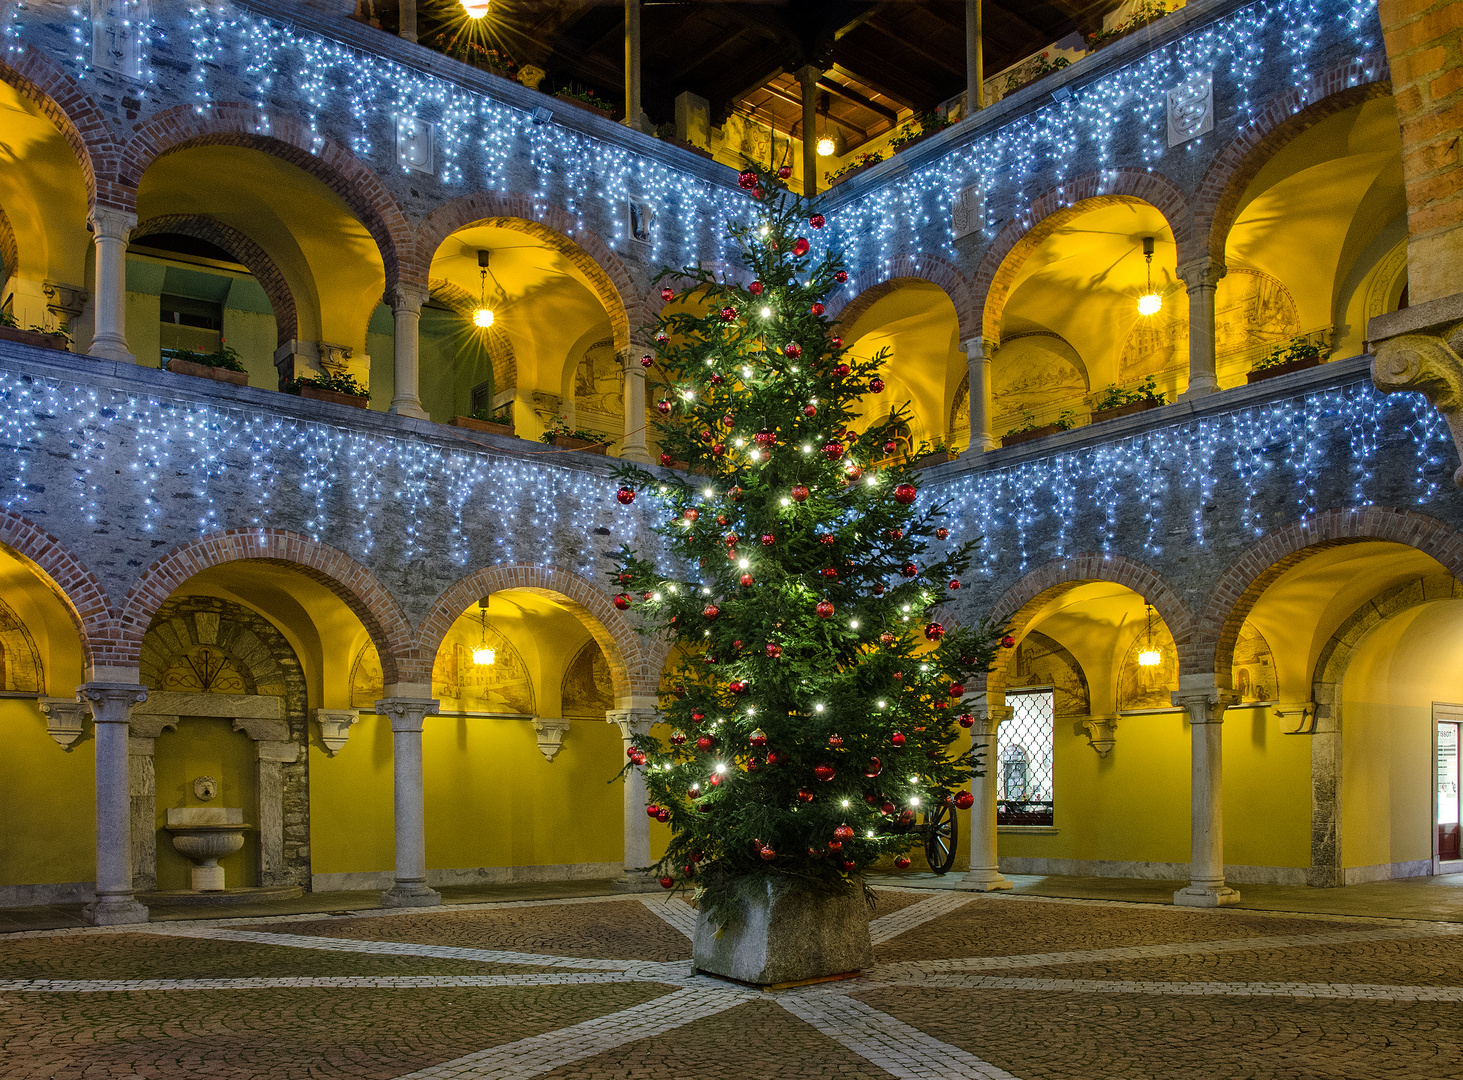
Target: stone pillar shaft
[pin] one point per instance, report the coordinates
(111, 709)
(406, 305)
(635, 724)
(408, 716)
(632, 64)
(110, 230)
(1205, 705)
(1202, 279)
(408, 20)
(984, 874)
(634, 447)
(974, 59)
(979, 363)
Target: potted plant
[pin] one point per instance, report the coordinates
(37, 336)
(917, 130)
(1145, 12)
(1115, 401)
(341, 389)
(667, 133)
(562, 435)
(928, 455)
(586, 99)
(1029, 71)
(1031, 432)
(488, 421)
(221, 366)
(854, 167)
(1295, 355)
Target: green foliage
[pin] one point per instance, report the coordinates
(1066, 421)
(1143, 13)
(871, 158)
(225, 357)
(1044, 66)
(7, 319)
(561, 427)
(1297, 348)
(922, 125)
(755, 657)
(1114, 396)
(503, 414)
(587, 97)
(341, 384)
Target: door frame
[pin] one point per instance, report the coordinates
(1447, 713)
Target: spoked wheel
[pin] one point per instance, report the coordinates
(942, 833)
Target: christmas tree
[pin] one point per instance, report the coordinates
(816, 696)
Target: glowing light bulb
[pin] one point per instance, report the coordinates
(853, 624)
(1149, 658)
(720, 767)
(483, 317)
(825, 147)
(483, 657)
(767, 313)
(914, 800)
(1150, 304)
(743, 563)
(845, 802)
(475, 9)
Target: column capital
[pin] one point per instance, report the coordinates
(335, 727)
(64, 718)
(407, 296)
(408, 714)
(109, 224)
(979, 348)
(988, 718)
(1202, 273)
(809, 74)
(111, 702)
(629, 357)
(633, 723)
(1203, 698)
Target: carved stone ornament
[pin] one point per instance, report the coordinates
(1191, 108)
(205, 788)
(966, 209)
(414, 144)
(550, 735)
(64, 718)
(1428, 364)
(1298, 717)
(335, 727)
(1101, 733)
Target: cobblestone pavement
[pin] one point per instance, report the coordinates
(965, 986)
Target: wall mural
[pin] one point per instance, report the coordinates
(1254, 666)
(1040, 661)
(599, 390)
(20, 660)
(1149, 687)
(1030, 374)
(588, 690)
(460, 684)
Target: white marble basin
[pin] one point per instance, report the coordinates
(203, 835)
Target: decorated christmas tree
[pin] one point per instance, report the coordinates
(814, 705)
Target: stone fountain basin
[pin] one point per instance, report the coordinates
(203, 835)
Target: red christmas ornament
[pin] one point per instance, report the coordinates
(876, 386)
(663, 407)
(663, 816)
(630, 752)
(901, 863)
(667, 294)
(833, 450)
(897, 738)
(678, 737)
(637, 758)
(843, 832)
(934, 631)
(705, 742)
(765, 438)
(1008, 642)
(622, 601)
(827, 538)
(890, 446)
(835, 740)
(798, 493)
(667, 883)
(874, 768)
(810, 411)
(800, 247)
(835, 845)
(711, 611)
(824, 609)
(757, 194)
(691, 513)
(905, 494)
(817, 308)
(717, 380)
(767, 852)
(817, 221)
(804, 795)
(896, 534)
(837, 342)
(964, 800)
(855, 473)
(966, 720)
(773, 649)
(715, 780)
(645, 596)
(954, 584)
(956, 689)
(886, 638)
(848, 865)
(728, 313)
(910, 570)
(625, 577)
(887, 808)
(747, 179)
(625, 496)
(784, 172)
(747, 581)
(758, 738)
(667, 460)
(824, 772)
(840, 276)
(697, 855)
(879, 590)
(652, 810)
(738, 686)
(718, 449)
(730, 539)
(646, 360)
(793, 349)
(942, 533)
(841, 371)
(774, 758)
(755, 288)
(768, 539)
(830, 573)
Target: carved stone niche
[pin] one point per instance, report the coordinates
(1101, 733)
(1420, 349)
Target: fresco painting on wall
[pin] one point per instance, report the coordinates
(599, 390)
(1040, 661)
(460, 684)
(588, 690)
(1254, 666)
(1142, 687)
(20, 661)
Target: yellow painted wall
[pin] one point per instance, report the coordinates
(1267, 791)
(206, 747)
(351, 801)
(47, 802)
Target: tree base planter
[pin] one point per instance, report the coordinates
(487, 427)
(1029, 436)
(780, 933)
(1283, 369)
(569, 443)
(1124, 410)
(315, 393)
(35, 338)
(203, 371)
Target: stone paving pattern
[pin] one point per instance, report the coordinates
(966, 988)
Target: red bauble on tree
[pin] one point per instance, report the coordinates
(798, 493)
(934, 631)
(755, 288)
(800, 247)
(817, 221)
(728, 314)
(824, 772)
(625, 496)
(817, 308)
(667, 294)
(784, 172)
(747, 179)
(840, 276)
(647, 360)
(793, 349)
(942, 533)
(905, 494)
(964, 800)
(876, 386)
(1008, 642)
(622, 601)
(824, 609)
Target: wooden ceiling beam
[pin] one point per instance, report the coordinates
(855, 98)
(908, 90)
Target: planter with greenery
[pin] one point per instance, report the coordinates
(854, 167)
(586, 99)
(1297, 354)
(918, 130)
(220, 366)
(1115, 401)
(341, 389)
(928, 455)
(488, 421)
(1031, 432)
(667, 133)
(37, 336)
(1147, 11)
(1029, 73)
(562, 435)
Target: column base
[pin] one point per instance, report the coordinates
(630, 882)
(1201, 390)
(1206, 896)
(410, 894)
(114, 911)
(987, 880)
(637, 454)
(409, 408)
(102, 350)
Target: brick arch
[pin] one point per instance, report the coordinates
(1053, 209)
(245, 250)
(635, 663)
(81, 124)
(78, 589)
(356, 586)
(238, 124)
(552, 225)
(1240, 587)
(903, 270)
(1018, 604)
(499, 345)
(1217, 202)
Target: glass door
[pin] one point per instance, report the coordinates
(1448, 859)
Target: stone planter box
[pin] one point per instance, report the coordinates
(916, 141)
(31, 337)
(780, 933)
(568, 443)
(937, 458)
(1029, 436)
(1283, 369)
(1123, 410)
(608, 112)
(203, 371)
(487, 427)
(1032, 81)
(315, 393)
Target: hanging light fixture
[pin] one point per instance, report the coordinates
(1150, 303)
(1150, 656)
(483, 316)
(483, 656)
(475, 9)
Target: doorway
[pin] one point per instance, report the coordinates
(1447, 801)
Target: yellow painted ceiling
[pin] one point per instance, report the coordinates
(43, 191)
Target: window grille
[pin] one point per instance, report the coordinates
(1024, 756)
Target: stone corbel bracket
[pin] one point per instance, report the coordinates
(335, 727)
(550, 735)
(1102, 733)
(1418, 349)
(1301, 714)
(64, 719)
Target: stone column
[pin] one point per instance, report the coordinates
(979, 363)
(635, 724)
(1420, 350)
(632, 64)
(407, 717)
(1202, 278)
(270, 758)
(808, 77)
(110, 229)
(974, 59)
(1205, 703)
(408, 20)
(406, 306)
(111, 709)
(633, 447)
(984, 874)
